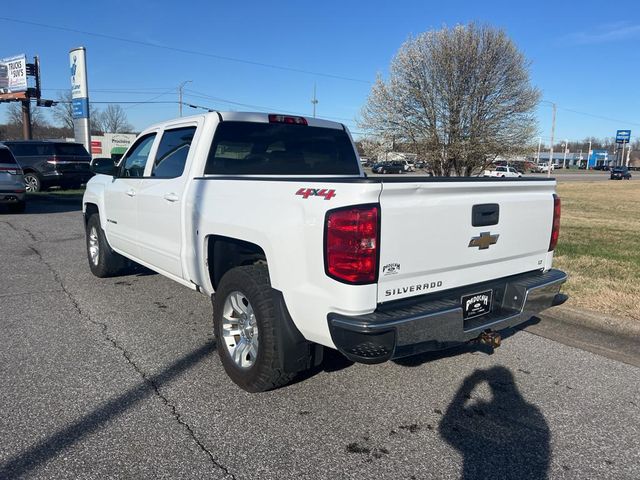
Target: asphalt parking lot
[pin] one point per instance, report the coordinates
(119, 378)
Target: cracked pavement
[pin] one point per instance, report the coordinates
(119, 378)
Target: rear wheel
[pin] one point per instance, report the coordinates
(245, 321)
(103, 261)
(32, 182)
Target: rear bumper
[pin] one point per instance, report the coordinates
(11, 196)
(435, 322)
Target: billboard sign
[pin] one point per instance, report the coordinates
(78, 73)
(80, 96)
(13, 74)
(623, 136)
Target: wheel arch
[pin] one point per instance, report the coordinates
(225, 253)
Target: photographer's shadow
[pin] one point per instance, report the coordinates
(506, 437)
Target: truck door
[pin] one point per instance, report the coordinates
(121, 203)
(161, 200)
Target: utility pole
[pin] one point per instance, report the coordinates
(539, 145)
(26, 120)
(553, 131)
(314, 101)
(180, 89)
(566, 147)
(589, 155)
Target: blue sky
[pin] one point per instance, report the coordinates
(584, 55)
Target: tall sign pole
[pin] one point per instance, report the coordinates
(553, 131)
(80, 96)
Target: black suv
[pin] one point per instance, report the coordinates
(51, 164)
(620, 173)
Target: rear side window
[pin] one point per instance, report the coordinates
(6, 157)
(171, 156)
(248, 148)
(32, 149)
(70, 149)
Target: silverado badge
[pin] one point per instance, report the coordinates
(484, 241)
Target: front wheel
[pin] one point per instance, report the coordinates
(103, 261)
(245, 321)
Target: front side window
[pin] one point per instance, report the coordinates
(136, 158)
(172, 153)
(251, 148)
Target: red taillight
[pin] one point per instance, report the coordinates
(555, 229)
(351, 244)
(11, 170)
(288, 119)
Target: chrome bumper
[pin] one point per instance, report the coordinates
(435, 322)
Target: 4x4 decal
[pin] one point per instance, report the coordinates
(316, 192)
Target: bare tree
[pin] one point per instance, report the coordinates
(63, 113)
(458, 96)
(114, 120)
(14, 119)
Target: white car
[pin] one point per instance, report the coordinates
(543, 168)
(273, 218)
(503, 172)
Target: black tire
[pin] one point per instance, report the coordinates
(267, 371)
(32, 182)
(108, 262)
(18, 207)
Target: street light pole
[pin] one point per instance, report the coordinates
(314, 101)
(180, 88)
(553, 131)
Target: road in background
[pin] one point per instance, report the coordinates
(120, 378)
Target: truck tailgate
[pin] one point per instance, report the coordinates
(427, 228)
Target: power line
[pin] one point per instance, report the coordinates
(187, 51)
(260, 107)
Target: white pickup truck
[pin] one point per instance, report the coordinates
(273, 218)
(503, 172)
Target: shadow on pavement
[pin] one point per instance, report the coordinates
(506, 437)
(39, 204)
(53, 445)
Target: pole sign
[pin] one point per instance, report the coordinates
(623, 136)
(13, 74)
(80, 96)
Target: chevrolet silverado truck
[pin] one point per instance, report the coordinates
(273, 218)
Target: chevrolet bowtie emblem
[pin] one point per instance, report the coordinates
(484, 241)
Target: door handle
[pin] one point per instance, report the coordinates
(131, 193)
(171, 197)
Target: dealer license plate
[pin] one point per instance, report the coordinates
(476, 304)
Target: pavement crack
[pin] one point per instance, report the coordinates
(127, 356)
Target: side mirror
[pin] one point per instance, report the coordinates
(103, 166)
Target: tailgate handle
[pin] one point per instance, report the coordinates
(485, 214)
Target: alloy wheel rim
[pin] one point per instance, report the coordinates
(240, 330)
(30, 183)
(94, 246)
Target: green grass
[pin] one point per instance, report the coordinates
(600, 245)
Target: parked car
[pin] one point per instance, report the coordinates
(389, 167)
(620, 173)
(503, 172)
(542, 168)
(12, 190)
(51, 164)
(273, 214)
